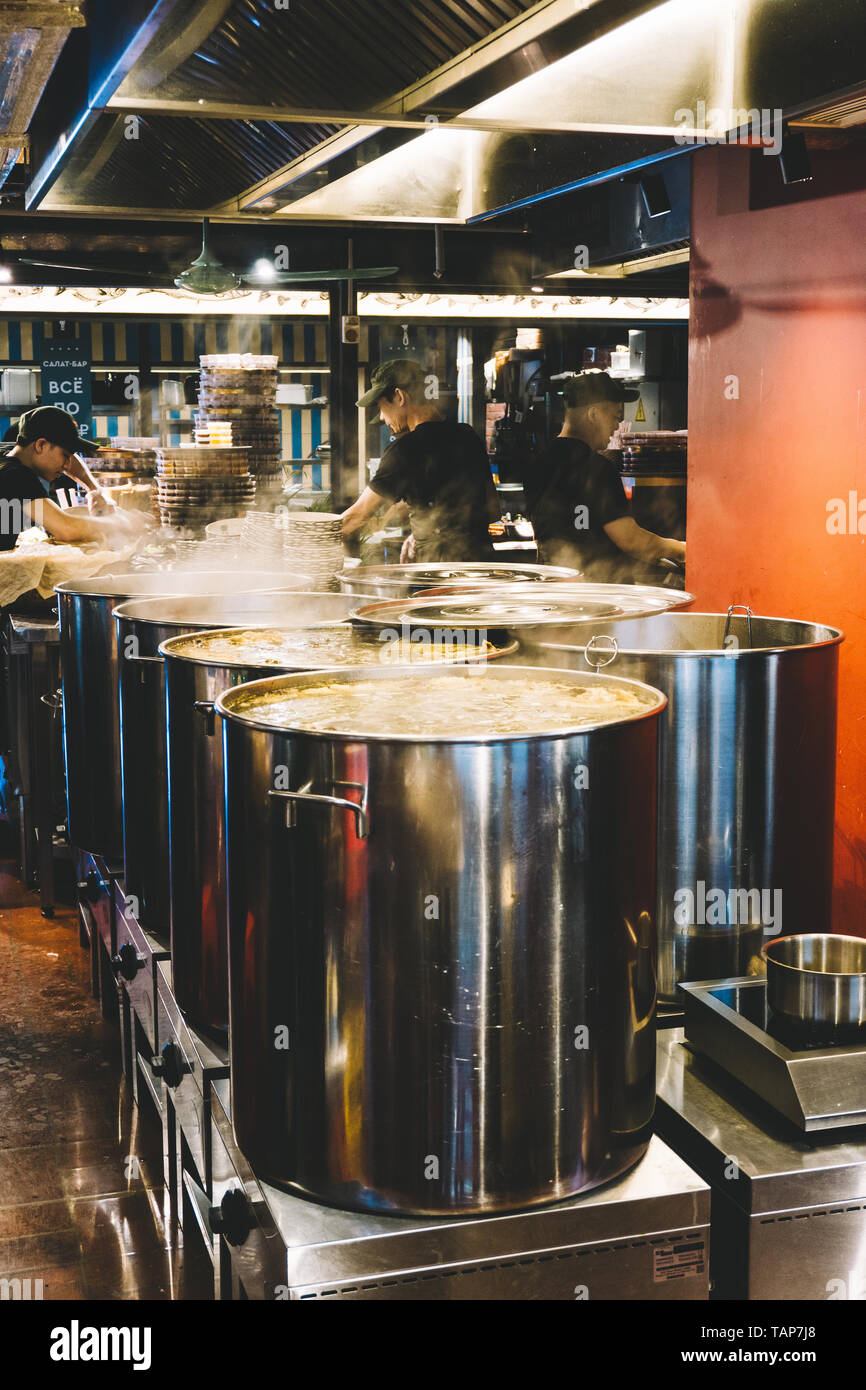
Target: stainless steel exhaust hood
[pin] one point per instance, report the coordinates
(681, 73)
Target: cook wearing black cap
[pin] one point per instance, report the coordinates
(46, 448)
(437, 467)
(575, 497)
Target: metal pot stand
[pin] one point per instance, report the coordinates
(643, 1236)
(188, 1063)
(789, 1207)
(134, 960)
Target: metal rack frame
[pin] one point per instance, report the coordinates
(789, 1209)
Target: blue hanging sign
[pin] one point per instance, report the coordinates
(65, 369)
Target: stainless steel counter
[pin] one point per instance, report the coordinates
(789, 1210)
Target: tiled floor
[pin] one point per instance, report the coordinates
(75, 1212)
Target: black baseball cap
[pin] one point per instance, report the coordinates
(399, 371)
(57, 426)
(588, 388)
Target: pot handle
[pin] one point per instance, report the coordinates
(207, 710)
(597, 655)
(362, 823)
(144, 662)
(738, 608)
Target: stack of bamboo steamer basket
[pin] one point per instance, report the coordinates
(197, 484)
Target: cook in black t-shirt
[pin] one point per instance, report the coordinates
(576, 499)
(18, 486)
(47, 453)
(439, 469)
(572, 494)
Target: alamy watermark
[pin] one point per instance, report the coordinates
(24, 1290)
(845, 516)
(737, 126)
(737, 907)
(77, 1343)
(408, 643)
(12, 516)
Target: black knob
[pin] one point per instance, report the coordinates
(89, 887)
(171, 1065)
(233, 1217)
(127, 962)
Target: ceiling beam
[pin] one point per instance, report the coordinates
(16, 15)
(282, 115)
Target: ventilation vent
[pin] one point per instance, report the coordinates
(461, 1272)
(838, 116)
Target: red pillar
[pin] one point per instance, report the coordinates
(777, 425)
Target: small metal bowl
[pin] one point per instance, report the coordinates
(817, 982)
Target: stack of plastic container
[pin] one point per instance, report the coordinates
(240, 389)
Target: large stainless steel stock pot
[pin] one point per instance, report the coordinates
(747, 778)
(442, 949)
(196, 817)
(91, 709)
(142, 625)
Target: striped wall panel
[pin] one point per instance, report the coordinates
(114, 342)
(174, 341)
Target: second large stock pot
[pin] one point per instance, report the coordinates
(442, 950)
(91, 709)
(142, 625)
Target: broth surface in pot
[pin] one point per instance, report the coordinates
(311, 648)
(448, 706)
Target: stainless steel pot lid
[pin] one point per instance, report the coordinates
(472, 572)
(177, 583)
(638, 600)
(701, 635)
(515, 609)
(292, 608)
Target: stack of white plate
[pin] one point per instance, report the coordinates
(263, 536)
(220, 551)
(314, 542)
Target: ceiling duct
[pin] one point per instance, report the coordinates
(32, 35)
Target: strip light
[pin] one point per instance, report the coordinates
(21, 300)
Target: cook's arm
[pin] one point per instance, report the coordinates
(77, 469)
(98, 499)
(354, 517)
(69, 526)
(644, 545)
